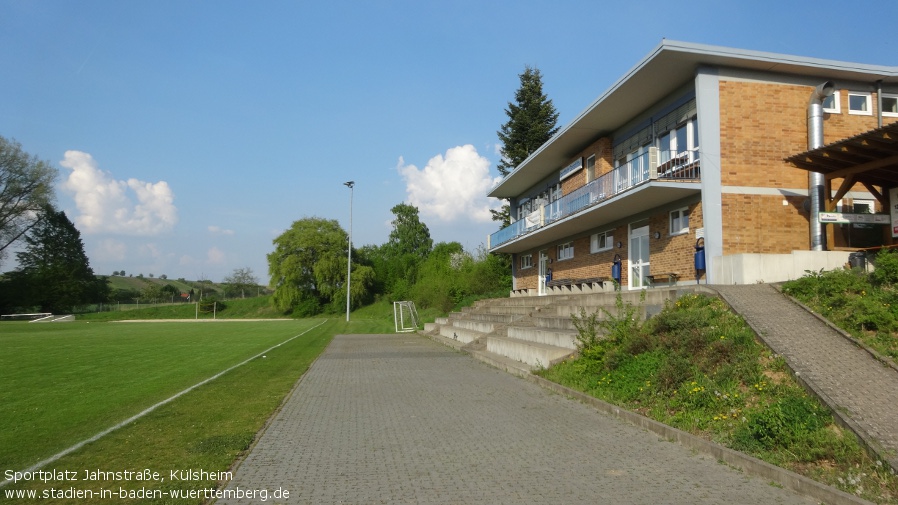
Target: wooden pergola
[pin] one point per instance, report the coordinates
(869, 159)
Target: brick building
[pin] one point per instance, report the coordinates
(690, 148)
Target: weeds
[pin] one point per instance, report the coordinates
(698, 367)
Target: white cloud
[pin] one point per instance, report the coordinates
(216, 230)
(111, 250)
(215, 256)
(106, 205)
(452, 187)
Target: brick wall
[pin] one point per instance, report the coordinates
(760, 125)
(667, 254)
(601, 148)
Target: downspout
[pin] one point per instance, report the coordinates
(816, 180)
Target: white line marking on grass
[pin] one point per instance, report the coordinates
(146, 411)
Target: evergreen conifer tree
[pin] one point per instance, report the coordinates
(531, 122)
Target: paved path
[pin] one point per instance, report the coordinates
(855, 382)
(402, 419)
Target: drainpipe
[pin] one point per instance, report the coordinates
(815, 179)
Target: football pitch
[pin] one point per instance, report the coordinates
(180, 395)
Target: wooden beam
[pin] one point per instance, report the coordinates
(877, 194)
(864, 167)
(847, 183)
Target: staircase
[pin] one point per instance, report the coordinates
(523, 334)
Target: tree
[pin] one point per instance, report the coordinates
(26, 188)
(409, 234)
(531, 122)
(54, 273)
(241, 280)
(307, 266)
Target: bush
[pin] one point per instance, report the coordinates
(791, 421)
(886, 272)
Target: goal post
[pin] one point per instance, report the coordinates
(405, 316)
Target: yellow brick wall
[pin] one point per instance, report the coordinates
(601, 148)
(760, 125)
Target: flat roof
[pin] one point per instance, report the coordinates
(669, 66)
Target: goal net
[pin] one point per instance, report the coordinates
(405, 316)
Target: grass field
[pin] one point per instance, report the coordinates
(63, 383)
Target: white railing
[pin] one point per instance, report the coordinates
(679, 166)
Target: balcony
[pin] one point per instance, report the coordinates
(677, 167)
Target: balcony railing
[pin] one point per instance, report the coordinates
(683, 166)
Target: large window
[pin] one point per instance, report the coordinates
(889, 105)
(831, 104)
(591, 168)
(679, 143)
(679, 221)
(859, 103)
(600, 241)
(526, 261)
(565, 251)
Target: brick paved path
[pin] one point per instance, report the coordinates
(402, 419)
(854, 381)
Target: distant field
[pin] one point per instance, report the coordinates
(62, 383)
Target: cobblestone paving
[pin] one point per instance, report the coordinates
(855, 382)
(402, 419)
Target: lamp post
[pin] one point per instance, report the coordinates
(349, 184)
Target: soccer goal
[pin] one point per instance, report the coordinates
(405, 316)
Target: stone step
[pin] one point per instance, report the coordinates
(441, 320)
(532, 353)
(559, 338)
(488, 317)
(432, 327)
(460, 334)
(601, 310)
(554, 322)
(468, 324)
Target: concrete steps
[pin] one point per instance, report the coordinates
(534, 332)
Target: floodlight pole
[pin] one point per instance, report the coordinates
(349, 184)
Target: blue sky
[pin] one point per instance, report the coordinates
(189, 134)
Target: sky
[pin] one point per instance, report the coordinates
(188, 135)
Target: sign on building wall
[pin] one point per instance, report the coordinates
(846, 218)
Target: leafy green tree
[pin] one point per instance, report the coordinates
(26, 188)
(409, 234)
(54, 273)
(307, 267)
(532, 121)
(241, 281)
(151, 292)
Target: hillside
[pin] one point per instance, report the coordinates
(139, 283)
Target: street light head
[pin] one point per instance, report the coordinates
(349, 184)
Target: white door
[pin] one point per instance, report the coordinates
(639, 255)
(543, 267)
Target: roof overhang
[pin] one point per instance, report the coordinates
(625, 205)
(670, 66)
(870, 158)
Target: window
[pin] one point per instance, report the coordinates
(600, 242)
(859, 103)
(889, 105)
(679, 221)
(591, 168)
(832, 104)
(677, 143)
(526, 261)
(566, 251)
